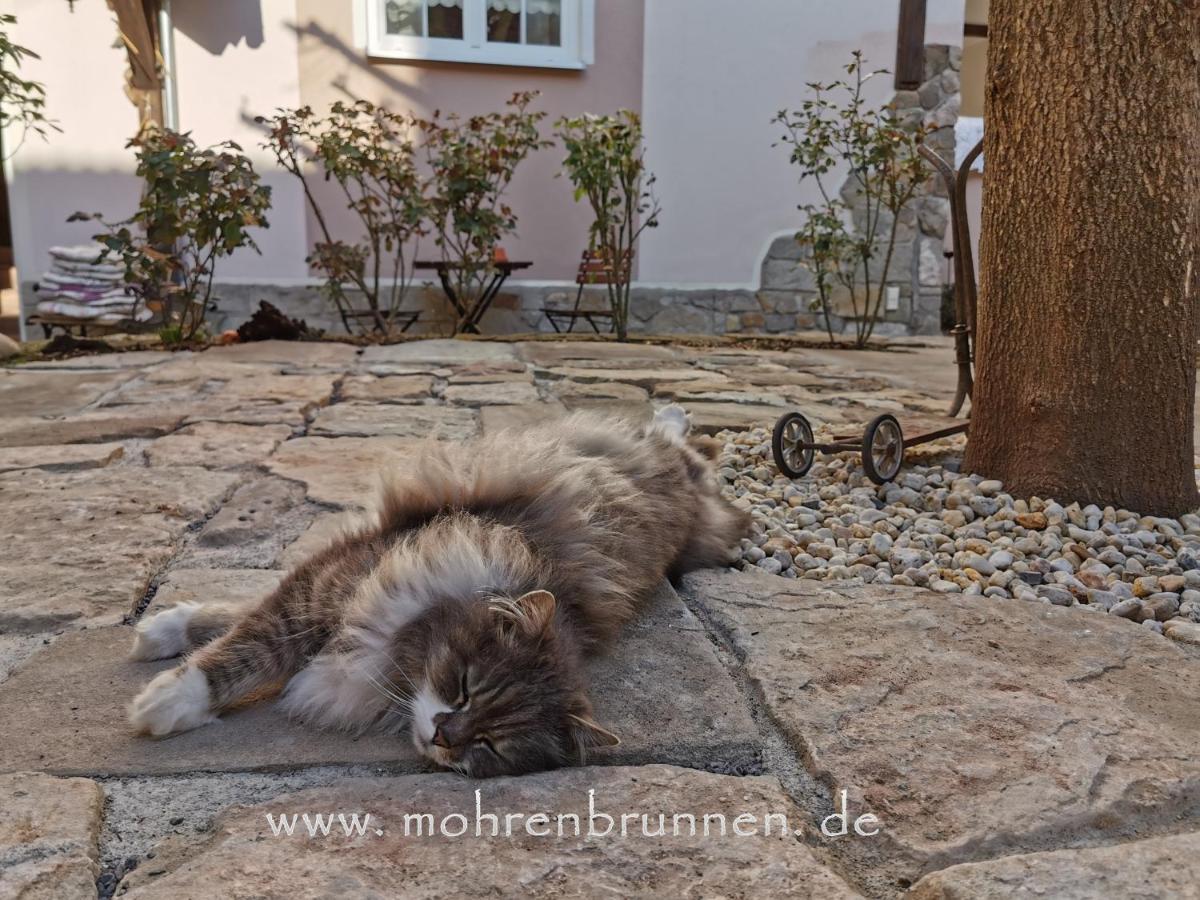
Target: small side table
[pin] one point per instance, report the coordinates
(468, 317)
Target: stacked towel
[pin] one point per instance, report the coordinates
(82, 288)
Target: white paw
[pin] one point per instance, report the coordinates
(163, 635)
(673, 422)
(177, 700)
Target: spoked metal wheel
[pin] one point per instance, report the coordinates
(792, 445)
(883, 449)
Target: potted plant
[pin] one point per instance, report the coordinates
(370, 154)
(471, 163)
(605, 162)
(198, 206)
(835, 131)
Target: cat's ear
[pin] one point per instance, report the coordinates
(532, 612)
(588, 734)
(539, 609)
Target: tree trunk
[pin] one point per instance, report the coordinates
(1087, 320)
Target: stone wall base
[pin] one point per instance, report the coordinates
(519, 309)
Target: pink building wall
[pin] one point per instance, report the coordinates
(552, 229)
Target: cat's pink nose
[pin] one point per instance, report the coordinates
(439, 739)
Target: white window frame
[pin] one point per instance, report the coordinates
(577, 30)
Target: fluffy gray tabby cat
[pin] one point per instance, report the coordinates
(465, 611)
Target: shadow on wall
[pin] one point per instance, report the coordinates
(312, 31)
(217, 24)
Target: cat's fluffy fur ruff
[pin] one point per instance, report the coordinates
(466, 608)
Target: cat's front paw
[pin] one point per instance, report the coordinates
(176, 700)
(163, 635)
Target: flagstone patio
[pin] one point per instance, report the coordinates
(1006, 748)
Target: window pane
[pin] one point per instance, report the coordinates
(504, 21)
(404, 17)
(544, 26)
(446, 19)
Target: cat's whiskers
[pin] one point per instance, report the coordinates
(391, 691)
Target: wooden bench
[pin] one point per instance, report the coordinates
(49, 322)
(594, 269)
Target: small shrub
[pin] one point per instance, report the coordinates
(606, 163)
(198, 206)
(22, 102)
(471, 164)
(370, 154)
(836, 128)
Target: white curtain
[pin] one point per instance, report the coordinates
(535, 7)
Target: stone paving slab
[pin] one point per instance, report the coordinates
(388, 389)
(503, 393)
(663, 691)
(244, 586)
(128, 359)
(81, 547)
(498, 418)
(575, 391)
(49, 836)
(709, 418)
(59, 457)
(641, 377)
(199, 368)
(447, 352)
(556, 353)
(319, 534)
(489, 373)
(701, 398)
(262, 412)
(252, 527)
(252, 862)
(100, 425)
(370, 420)
(217, 445)
(45, 393)
(1153, 869)
(298, 354)
(344, 471)
(638, 412)
(972, 729)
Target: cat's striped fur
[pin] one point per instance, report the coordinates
(492, 569)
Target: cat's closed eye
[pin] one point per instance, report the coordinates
(486, 742)
(464, 696)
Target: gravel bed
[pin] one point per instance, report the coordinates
(933, 527)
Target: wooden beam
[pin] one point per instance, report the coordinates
(136, 22)
(971, 29)
(910, 45)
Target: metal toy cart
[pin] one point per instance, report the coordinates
(883, 441)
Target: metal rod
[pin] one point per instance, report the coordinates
(166, 48)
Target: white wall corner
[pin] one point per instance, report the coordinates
(359, 24)
(587, 32)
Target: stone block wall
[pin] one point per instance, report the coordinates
(918, 268)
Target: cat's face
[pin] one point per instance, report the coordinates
(499, 698)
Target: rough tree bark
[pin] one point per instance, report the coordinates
(1086, 363)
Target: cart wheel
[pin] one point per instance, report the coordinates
(883, 449)
(791, 433)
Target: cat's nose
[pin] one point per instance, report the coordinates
(439, 739)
